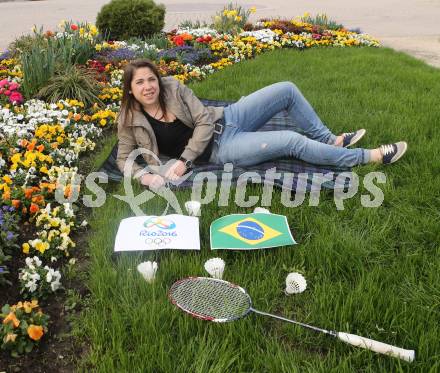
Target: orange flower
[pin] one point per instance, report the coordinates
(40, 148)
(24, 210)
(12, 318)
(77, 117)
(28, 193)
(68, 191)
(49, 186)
(34, 208)
(38, 199)
(35, 332)
(24, 143)
(31, 146)
(54, 145)
(6, 195)
(16, 203)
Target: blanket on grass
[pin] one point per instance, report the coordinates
(295, 175)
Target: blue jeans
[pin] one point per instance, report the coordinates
(243, 146)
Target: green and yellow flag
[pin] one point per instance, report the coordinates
(250, 231)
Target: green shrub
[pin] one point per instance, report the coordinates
(74, 83)
(47, 54)
(124, 19)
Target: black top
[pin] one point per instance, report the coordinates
(172, 137)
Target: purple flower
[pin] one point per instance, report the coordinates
(9, 236)
(117, 55)
(186, 54)
(5, 55)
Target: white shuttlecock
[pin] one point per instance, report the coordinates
(148, 270)
(295, 283)
(193, 208)
(261, 210)
(215, 267)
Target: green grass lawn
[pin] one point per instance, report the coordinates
(370, 271)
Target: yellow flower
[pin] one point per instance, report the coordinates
(102, 122)
(252, 9)
(10, 337)
(44, 170)
(238, 18)
(42, 246)
(28, 306)
(25, 248)
(7, 179)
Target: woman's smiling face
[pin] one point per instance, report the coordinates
(145, 87)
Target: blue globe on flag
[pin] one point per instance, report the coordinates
(250, 230)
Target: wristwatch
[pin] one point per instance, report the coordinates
(187, 162)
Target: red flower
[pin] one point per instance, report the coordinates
(178, 40)
(16, 97)
(73, 27)
(34, 208)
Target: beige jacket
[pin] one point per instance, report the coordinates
(182, 102)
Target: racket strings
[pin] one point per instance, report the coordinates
(210, 299)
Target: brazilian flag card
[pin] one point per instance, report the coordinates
(250, 231)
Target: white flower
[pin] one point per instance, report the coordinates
(148, 270)
(29, 263)
(84, 223)
(32, 285)
(215, 267)
(55, 285)
(72, 261)
(35, 277)
(295, 283)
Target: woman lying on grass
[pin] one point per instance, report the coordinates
(164, 116)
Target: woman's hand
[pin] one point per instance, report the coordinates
(152, 181)
(176, 170)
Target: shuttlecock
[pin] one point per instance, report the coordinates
(261, 210)
(148, 270)
(295, 283)
(193, 208)
(215, 267)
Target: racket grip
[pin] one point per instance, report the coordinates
(382, 348)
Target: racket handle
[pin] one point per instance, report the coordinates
(382, 348)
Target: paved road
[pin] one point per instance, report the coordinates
(412, 26)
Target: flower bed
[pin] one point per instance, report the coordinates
(41, 142)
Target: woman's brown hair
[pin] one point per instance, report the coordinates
(128, 102)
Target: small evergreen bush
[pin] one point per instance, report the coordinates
(124, 19)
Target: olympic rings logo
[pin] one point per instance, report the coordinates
(158, 241)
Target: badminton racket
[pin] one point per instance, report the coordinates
(221, 301)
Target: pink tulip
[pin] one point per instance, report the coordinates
(13, 86)
(4, 82)
(7, 92)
